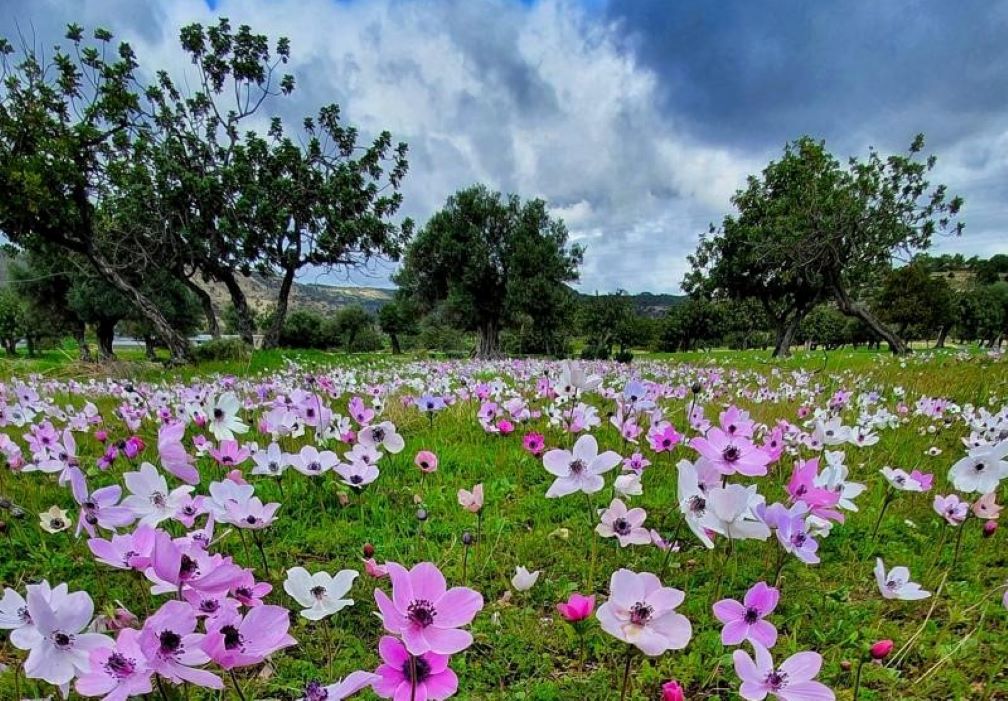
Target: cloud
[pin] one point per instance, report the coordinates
(635, 121)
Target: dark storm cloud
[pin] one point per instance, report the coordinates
(760, 73)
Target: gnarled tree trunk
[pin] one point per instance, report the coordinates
(213, 326)
(851, 308)
(177, 344)
(84, 349)
(105, 331)
(246, 325)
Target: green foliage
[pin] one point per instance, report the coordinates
(826, 326)
(809, 228)
(914, 300)
(226, 349)
(485, 258)
(13, 319)
(305, 328)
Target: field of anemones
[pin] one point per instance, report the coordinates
(702, 527)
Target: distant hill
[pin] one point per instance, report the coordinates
(648, 304)
(261, 291)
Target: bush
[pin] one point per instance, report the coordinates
(304, 328)
(222, 349)
(624, 356)
(367, 340)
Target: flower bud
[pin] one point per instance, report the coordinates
(467, 538)
(368, 550)
(989, 528)
(696, 387)
(421, 514)
(672, 691)
(846, 665)
(881, 649)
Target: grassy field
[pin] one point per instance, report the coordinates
(950, 646)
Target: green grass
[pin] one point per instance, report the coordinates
(522, 649)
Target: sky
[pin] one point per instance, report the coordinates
(635, 120)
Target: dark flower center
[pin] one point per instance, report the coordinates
(56, 523)
(318, 592)
(158, 499)
(776, 680)
(187, 568)
(640, 613)
(62, 640)
(378, 434)
(119, 666)
(621, 526)
(979, 467)
(798, 539)
(697, 505)
(273, 467)
(209, 605)
(421, 612)
(731, 454)
(218, 414)
(356, 479)
(243, 593)
(251, 520)
(24, 615)
(577, 467)
(314, 467)
(232, 638)
(316, 692)
(417, 666)
(751, 615)
(171, 642)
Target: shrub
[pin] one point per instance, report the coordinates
(222, 349)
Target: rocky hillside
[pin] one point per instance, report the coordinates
(262, 290)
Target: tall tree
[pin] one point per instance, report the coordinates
(66, 124)
(831, 228)
(194, 135)
(326, 203)
(485, 258)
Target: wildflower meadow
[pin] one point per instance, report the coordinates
(682, 527)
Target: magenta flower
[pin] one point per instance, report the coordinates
(174, 457)
(174, 566)
(118, 672)
(173, 649)
(626, 525)
(577, 608)
(400, 672)
(802, 487)
(534, 443)
(426, 461)
(924, 479)
(745, 621)
(731, 454)
(635, 463)
(641, 612)
(424, 612)
(663, 437)
(951, 508)
(794, 680)
(229, 453)
(233, 641)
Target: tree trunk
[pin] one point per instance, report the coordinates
(246, 326)
(396, 348)
(84, 349)
(942, 333)
(177, 344)
(30, 343)
(272, 338)
(851, 308)
(10, 344)
(150, 347)
(213, 326)
(105, 330)
(486, 343)
(785, 335)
